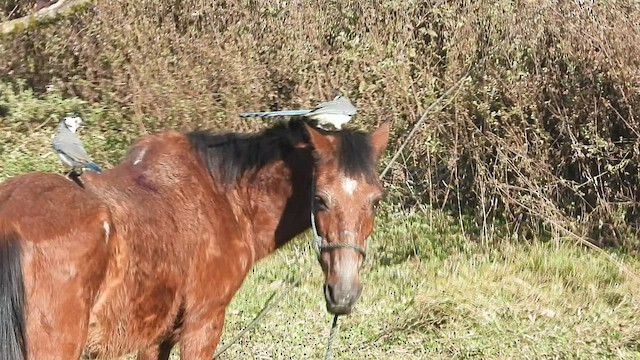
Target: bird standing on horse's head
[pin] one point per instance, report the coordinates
(70, 149)
(336, 112)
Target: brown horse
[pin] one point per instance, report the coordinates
(151, 252)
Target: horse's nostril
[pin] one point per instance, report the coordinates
(328, 293)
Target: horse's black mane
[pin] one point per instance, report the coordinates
(226, 156)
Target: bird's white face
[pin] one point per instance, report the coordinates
(73, 123)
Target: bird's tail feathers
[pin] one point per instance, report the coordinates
(93, 167)
(275, 113)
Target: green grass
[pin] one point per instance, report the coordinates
(430, 292)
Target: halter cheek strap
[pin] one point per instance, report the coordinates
(319, 245)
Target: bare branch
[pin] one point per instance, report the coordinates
(61, 8)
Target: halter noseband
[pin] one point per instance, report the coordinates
(319, 245)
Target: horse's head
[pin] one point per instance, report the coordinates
(345, 195)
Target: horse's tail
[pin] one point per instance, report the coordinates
(13, 327)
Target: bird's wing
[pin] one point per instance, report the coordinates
(56, 143)
(69, 144)
(340, 105)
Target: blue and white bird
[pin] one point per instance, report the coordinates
(70, 149)
(336, 112)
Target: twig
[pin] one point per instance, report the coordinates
(12, 11)
(422, 119)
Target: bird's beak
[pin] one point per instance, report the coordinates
(82, 123)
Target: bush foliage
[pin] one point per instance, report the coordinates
(542, 135)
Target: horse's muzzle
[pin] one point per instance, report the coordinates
(340, 299)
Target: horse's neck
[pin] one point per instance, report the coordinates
(278, 201)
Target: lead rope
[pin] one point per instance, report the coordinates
(317, 242)
(332, 335)
(253, 323)
(317, 239)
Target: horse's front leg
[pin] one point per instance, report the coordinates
(157, 352)
(200, 335)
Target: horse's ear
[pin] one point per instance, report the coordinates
(321, 144)
(380, 139)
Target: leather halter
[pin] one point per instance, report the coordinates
(319, 244)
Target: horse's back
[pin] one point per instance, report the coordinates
(64, 232)
(44, 206)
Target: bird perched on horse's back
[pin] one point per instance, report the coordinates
(70, 149)
(336, 112)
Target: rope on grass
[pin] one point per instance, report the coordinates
(332, 335)
(269, 305)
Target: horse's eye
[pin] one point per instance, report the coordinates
(375, 203)
(320, 203)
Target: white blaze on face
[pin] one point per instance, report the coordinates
(349, 185)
